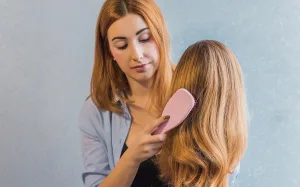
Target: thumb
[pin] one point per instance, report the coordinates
(157, 123)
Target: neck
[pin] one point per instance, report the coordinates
(140, 92)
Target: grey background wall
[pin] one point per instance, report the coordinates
(46, 57)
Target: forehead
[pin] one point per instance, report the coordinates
(126, 26)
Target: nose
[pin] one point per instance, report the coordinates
(137, 52)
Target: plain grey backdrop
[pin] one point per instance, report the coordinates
(46, 58)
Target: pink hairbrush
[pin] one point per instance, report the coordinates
(178, 108)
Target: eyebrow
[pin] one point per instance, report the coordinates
(137, 33)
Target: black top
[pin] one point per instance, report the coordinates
(147, 174)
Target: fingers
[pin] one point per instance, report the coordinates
(153, 149)
(157, 145)
(156, 138)
(158, 153)
(157, 123)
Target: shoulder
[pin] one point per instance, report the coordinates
(91, 118)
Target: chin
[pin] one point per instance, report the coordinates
(143, 77)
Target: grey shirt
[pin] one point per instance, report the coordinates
(103, 136)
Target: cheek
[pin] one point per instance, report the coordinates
(118, 56)
(120, 59)
(153, 51)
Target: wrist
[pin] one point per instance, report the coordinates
(130, 159)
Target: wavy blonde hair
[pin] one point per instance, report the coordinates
(108, 81)
(213, 138)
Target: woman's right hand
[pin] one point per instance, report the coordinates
(146, 145)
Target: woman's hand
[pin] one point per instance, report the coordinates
(146, 145)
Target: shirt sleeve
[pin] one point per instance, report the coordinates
(94, 151)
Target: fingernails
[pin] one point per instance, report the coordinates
(166, 117)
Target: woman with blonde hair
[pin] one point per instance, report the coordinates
(131, 74)
(211, 141)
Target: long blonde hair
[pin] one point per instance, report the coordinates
(213, 138)
(108, 81)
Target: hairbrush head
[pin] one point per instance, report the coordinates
(178, 107)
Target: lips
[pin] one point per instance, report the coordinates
(140, 66)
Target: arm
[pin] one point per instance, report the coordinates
(123, 174)
(96, 167)
(97, 171)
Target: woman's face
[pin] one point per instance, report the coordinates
(133, 47)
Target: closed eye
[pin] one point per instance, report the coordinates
(145, 40)
(123, 47)
(145, 37)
